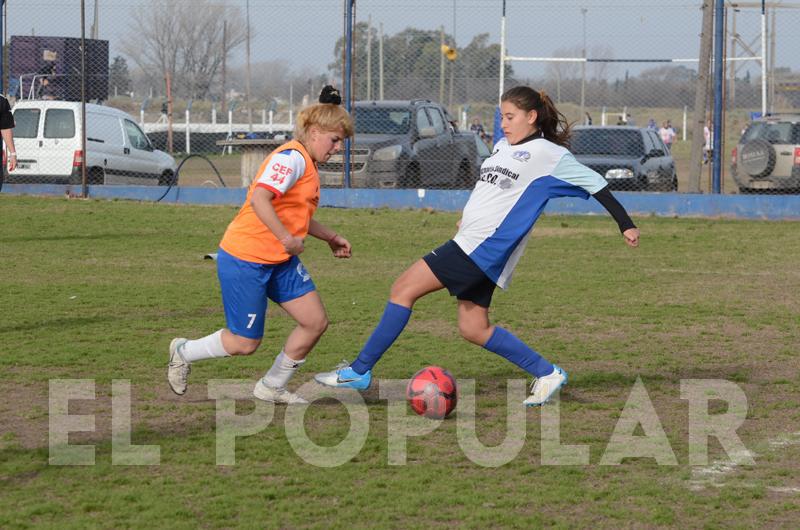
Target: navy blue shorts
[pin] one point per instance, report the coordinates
(246, 286)
(457, 272)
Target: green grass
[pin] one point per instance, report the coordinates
(96, 289)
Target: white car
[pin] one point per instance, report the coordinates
(47, 137)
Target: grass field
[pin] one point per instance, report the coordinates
(95, 290)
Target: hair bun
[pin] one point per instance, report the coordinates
(330, 94)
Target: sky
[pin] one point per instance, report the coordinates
(303, 32)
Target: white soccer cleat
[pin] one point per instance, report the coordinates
(276, 395)
(177, 369)
(544, 387)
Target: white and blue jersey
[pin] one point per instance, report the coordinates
(513, 188)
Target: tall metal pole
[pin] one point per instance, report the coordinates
(583, 67)
(3, 49)
(247, 52)
(452, 63)
(380, 63)
(719, 43)
(84, 187)
(369, 57)
(348, 91)
(763, 58)
(441, 64)
(502, 53)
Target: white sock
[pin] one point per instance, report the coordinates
(282, 370)
(208, 347)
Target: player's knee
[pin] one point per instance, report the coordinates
(317, 325)
(244, 345)
(473, 334)
(401, 293)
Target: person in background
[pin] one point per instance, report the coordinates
(477, 128)
(667, 134)
(6, 130)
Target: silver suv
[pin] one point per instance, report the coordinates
(767, 158)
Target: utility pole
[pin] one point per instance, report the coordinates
(583, 67)
(96, 21)
(441, 65)
(369, 57)
(249, 110)
(380, 62)
(701, 97)
(224, 65)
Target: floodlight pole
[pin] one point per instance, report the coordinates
(2, 49)
(763, 58)
(502, 52)
(348, 90)
(583, 68)
(84, 183)
(719, 43)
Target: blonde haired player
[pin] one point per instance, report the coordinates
(257, 258)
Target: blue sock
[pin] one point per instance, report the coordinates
(394, 319)
(506, 345)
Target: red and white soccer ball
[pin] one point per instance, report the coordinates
(432, 392)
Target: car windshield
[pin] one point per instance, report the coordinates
(774, 133)
(376, 120)
(613, 142)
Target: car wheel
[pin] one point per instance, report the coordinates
(96, 176)
(411, 179)
(167, 178)
(757, 158)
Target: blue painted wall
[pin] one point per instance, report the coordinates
(659, 204)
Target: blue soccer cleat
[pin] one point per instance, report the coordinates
(344, 377)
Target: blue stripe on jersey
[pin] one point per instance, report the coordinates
(493, 253)
(572, 171)
(286, 152)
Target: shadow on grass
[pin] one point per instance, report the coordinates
(60, 323)
(75, 237)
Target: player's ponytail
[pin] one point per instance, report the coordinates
(550, 123)
(328, 115)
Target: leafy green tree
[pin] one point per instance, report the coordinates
(412, 65)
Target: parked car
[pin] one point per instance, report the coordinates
(767, 157)
(48, 134)
(630, 158)
(405, 144)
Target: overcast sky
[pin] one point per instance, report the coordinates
(303, 32)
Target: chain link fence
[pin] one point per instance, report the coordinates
(196, 93)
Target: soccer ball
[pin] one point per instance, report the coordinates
(432, 392)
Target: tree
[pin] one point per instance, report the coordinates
(184, 39)
(119, 79)
(412, 60)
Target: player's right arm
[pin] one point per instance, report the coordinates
(278, 173)
(261, 201)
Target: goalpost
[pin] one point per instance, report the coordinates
(504, 58)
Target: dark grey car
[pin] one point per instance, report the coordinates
(629, 158)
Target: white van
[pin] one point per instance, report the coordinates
(47, 137)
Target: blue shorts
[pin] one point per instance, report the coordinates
(246, 286)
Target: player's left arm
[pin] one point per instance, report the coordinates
(617, 211)
(339, 245)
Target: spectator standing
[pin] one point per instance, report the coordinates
(6, 130)
(667, 134)
(477, 128)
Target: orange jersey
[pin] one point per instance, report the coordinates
(291, 174)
